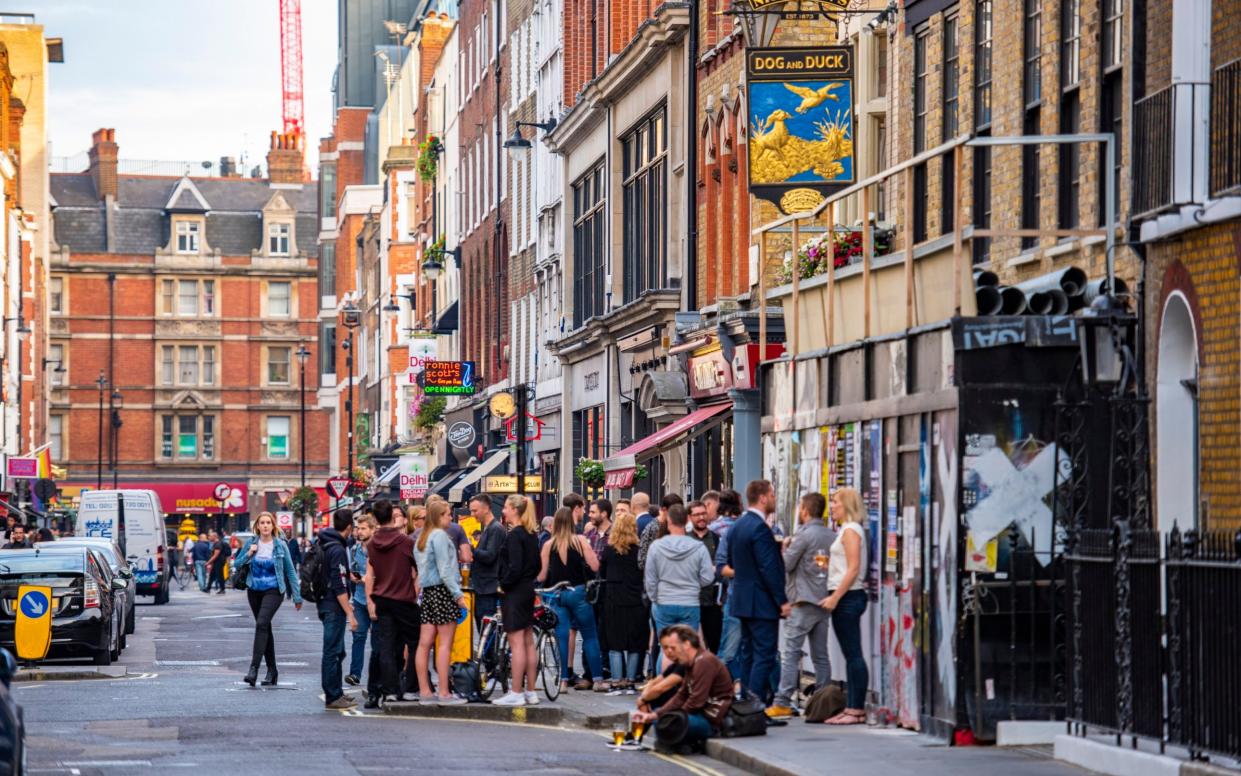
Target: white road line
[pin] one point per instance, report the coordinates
(108, 764)
(217, 616)
(187, 662)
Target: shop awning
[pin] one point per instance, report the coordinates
(493, 462)
(442, 485)
(619, 468)
(447, 322)
(389, 474)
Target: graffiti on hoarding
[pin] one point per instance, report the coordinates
(1014, 487)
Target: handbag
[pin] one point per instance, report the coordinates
(594, 590)
(747, 716)
(240, 576)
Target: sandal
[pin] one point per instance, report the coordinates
(846, 718)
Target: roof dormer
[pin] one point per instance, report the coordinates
(279, 228)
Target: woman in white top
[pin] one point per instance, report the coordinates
(846, 599)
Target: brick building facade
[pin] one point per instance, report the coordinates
(180, 305)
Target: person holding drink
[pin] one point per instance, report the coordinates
(806, 555)
(700, 702)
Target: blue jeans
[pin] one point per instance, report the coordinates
(730, 645)
(847, 622)
(334, 626)
(700, 729)
(758, 661)
(357, 655)
(200, 573)
(572, 611)
(673, 614)
(624, 665)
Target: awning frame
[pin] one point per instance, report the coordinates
(619, 469)
(489, 465)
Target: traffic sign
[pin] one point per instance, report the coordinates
(222, 491)
(337, 486)
(284, 520)
(32, 632)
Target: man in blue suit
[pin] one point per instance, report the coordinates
(757, 595)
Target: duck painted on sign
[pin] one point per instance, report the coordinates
(812, 98)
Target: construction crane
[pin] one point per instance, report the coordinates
(291, 67)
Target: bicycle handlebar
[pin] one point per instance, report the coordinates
(564, 585)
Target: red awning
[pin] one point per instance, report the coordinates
(619, 468)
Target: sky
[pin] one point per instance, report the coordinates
(181, 80)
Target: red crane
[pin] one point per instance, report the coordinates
(291, 66)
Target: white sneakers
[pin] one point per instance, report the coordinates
(532, 699)
(511, 699)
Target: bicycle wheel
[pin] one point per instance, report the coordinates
(495, 665)
(549, 665)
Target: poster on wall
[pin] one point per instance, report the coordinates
(801, 124)
(781, 454)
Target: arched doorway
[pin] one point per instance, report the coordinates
(1176, 417)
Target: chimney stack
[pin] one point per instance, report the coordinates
(228, 167)
(285, 160)
(103, 162)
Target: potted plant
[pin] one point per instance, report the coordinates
(590, 473)
(304, 501)
(430, 412)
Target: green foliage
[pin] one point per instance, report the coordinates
(429, 158)
(590, 473)
(430, 412)
(304, 501)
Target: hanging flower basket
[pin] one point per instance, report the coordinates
(590, 473)
(429, 158)
(435, 251)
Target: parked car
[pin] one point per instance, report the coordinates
(12, 721)
(85, 615)
(120, 568)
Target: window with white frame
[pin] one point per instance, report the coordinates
(278, 365)
(187, 365)
(187, 437)
(278, 436)
(56, 360)
(56, 436)
(186, 298)
(278, 239)
(187, 236)
(279, 298)
(56, 295)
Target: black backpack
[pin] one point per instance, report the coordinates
(313, 581)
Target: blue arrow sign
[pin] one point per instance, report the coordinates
(34, 604)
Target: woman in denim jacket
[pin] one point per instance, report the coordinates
(439, 583)
(272, 579)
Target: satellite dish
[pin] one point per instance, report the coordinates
(206, 165)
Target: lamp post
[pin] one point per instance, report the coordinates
(118, 401)
(352, 318)
(302, 355)
(101, 382)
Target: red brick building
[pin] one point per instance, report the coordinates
(179, 306)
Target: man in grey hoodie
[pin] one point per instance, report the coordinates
(677, 568)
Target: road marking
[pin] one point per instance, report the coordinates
(187, 662)
(681, 762)
(108, 763)
(217, 616)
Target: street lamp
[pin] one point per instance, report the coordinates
(1103, 345)
(518, 144)
(101, 382)
(118, 401)
(302, 355)
(351, 317)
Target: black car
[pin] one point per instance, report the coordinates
(120, 568)
(12, 722)
(85, 615)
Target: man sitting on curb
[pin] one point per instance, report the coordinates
(660, 690)
(694, 714)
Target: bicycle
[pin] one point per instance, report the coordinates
(495, 658)
(183, 573)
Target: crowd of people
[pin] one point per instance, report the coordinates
(677, 603)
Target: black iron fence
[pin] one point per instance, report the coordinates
(1152, 151)
(1154, 636)
(1226, 128)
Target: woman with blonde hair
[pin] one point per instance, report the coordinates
(271, 578)
(519, 568)
(414, 521)
(568, 558)
(439, 578)
(625, 624)
(846, 599)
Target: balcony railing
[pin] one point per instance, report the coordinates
(1226, 129)
(1152, 152)
(1171, 135)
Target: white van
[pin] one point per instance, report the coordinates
(140, 534)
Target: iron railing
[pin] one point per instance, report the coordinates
(1152, 152)
(1203, 587)
(1226, 128)
(1170, 137)
(1153, 636)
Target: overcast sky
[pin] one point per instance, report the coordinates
(181, 80)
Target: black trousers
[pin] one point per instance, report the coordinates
(603, 638)
(712, 626)
(264, 603)
(217, 575)
(398, 627)
(485, 605)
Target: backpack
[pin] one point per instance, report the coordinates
(311, 576)
(747, 716)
